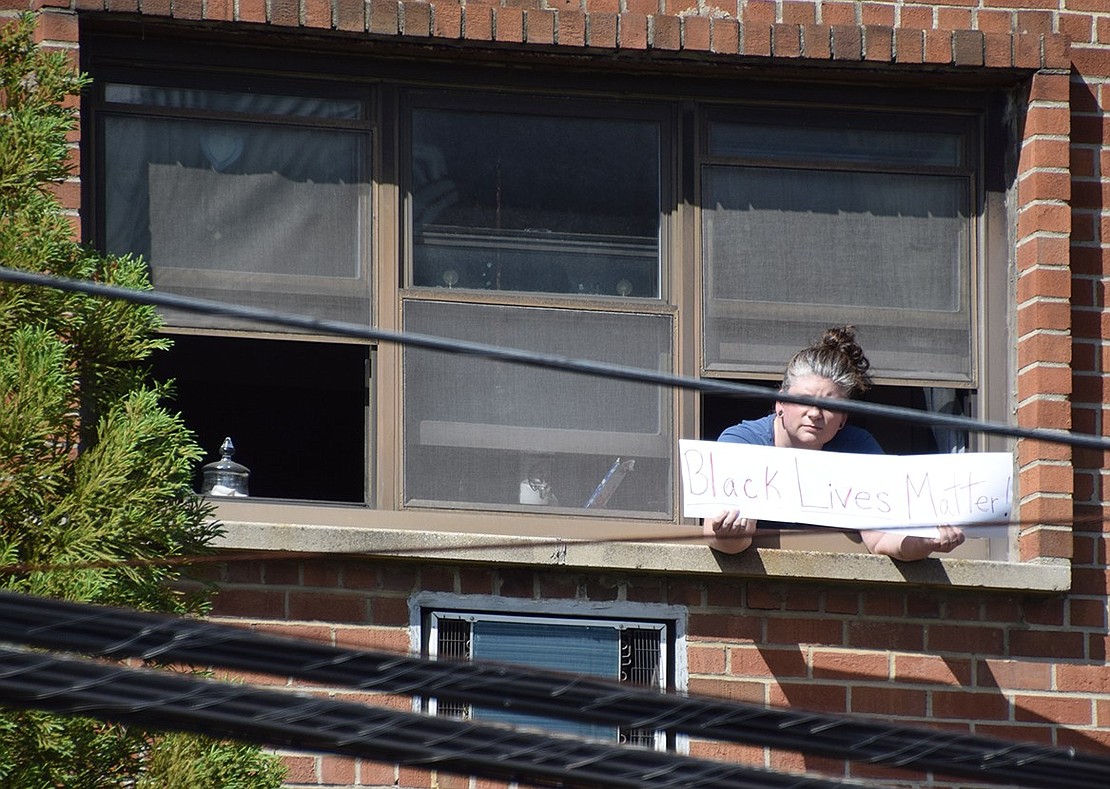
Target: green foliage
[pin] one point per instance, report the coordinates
(93, 469)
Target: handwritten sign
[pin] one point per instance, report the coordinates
(846, 490)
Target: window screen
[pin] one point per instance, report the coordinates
(494, 433)
(552, 202)
(809, 227)
(254, 199)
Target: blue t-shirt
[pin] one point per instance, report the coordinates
(761, 432)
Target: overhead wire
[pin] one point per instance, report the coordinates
(544, 360)
(981, 758)
(118, 634)
(166, 701)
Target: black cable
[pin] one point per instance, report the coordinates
(166, 701)
(108, 632)
(550, 361)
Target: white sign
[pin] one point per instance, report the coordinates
(846, 490)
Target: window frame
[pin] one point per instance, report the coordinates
(368, 125)
(968, 123)
(430, 609)
(680, 97)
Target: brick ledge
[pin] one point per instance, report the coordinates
(1046, 576)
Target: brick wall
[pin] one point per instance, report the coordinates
(992, 664)
(1030, 668)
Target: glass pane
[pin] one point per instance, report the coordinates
(500, 434)
(573, 649)
(790, 252)
(254, 214)
(535, 203)
(250, 103)
(813, 143)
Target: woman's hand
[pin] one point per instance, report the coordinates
(728, 532)
(908, 549)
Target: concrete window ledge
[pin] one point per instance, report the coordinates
(1049, 576)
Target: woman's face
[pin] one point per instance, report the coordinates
(806, 426)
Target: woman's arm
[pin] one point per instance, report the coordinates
(727, 532)
(907, 548)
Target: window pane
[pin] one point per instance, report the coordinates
(790, 252)
(251, 103)
(535, 203)
(255, 214)
(573, 649)
(835, 145)
(479, 431)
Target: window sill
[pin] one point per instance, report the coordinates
(492, 539)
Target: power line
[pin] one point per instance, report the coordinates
(166, 701)
(118, 634)
(549, 361)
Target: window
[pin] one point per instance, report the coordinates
(702, 226)
(812, 220)
(632, 652)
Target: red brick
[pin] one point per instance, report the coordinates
(1087, 613)
(799, 12)
(847, 43)
(725, 626)
(1044, 347)
(1056, 51)
(878, 43)
(262, 603)
(805, 631)
(224, 11)
(967, 47)
(282, 12)
(909, 45)
(882, 14)
(374, 639)
(1044, 217)
(933, 670)
(756, 39)
(953, 19)
(807, 696)
(767, 662)
(992, 21)
(874, 634)
(1029, 21)
(508, 24)
(446, 20)
(1051, 254)
(963, 639)
(387, 611)
(786, 40)
(849, 665)
(706, 659)
(997, 50)
(1080, 28)
(1013, 675)
(734, 690)
(327, 606)
(938, 46)
(1053, 644)
(725, 36)
(696, 33)
(666, 33)
(1083, 678)
(385, 17)
(760, 11)
(1045, 380)
(645, 7)
(1039, 543)
(917, 17)
(889, 701)
(416, 18)
(349, 14)
(601, 30)
(1062, 710)
(817, 41)
(633, 29)
(477, 22)
(968, 705)
(1027, 50)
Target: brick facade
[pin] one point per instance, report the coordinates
(1023, 667)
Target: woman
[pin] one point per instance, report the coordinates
(834, 367)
